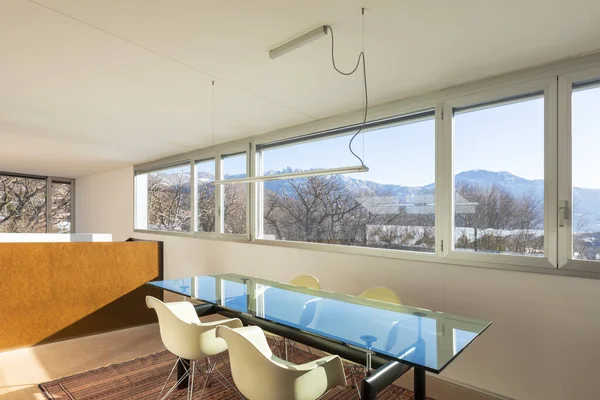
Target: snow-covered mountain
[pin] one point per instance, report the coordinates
(586, 202)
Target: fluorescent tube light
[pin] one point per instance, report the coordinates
(299, 41)
(292, 175)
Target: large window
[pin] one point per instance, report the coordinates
(235, 196)
(585, 135)
(163, 199)
(206, 201)
(61, 196)
(24, 204)
(500, 173)
(391, 206)
(499, 177)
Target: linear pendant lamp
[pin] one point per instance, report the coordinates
(297, 42)
(292, 175)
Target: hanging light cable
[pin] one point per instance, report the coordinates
(291, 45)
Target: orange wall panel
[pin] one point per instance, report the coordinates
(55, 291)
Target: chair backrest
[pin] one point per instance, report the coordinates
(308, 281)
(381, 293)
(252, 371)
(180, 328)
(259, 375)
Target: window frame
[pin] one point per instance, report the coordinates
(566, 81)
(413, 116)
(551, 76)
(220, 222)
(135, 202)
(195, 231)
(548, 87)
(49, 181)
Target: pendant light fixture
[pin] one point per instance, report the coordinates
(290, 46)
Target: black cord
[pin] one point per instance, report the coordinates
(361, 57)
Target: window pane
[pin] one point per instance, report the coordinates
(22, 205)
(205, 175)
(499, 178)
(392, 206)
(61, 208)
(163, 200)
(234, 196)
(586, 180)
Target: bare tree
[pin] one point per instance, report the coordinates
(22, 204)
(206, 207)
(61, 208)
(234, 208)
(169, 201)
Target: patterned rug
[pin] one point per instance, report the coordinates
(144, 377)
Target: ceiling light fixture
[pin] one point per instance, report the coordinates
(292, 45)
(294, 175)
(298, 42)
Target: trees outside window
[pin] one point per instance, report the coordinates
(23, 205)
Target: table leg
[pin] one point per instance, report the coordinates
(419, 383)
(181, 368)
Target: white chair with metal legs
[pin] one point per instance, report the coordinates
(186, 337)
(379, 293)
(260, 375)
(307, 281)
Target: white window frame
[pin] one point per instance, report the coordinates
(158, 168)
(549, 87)
(359, 250)
(197, 159)
(565, 170)
(49, 181)
(544, 77)
(220, 190)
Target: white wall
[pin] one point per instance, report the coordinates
(104, 204)
(544, 342)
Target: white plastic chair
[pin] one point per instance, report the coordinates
(307, 281)
(260, 375)
(381, 293)
(184, 335)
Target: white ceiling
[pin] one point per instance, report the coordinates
(92, 85)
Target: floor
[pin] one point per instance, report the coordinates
(21, 370)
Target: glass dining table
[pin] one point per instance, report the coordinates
(388, 339)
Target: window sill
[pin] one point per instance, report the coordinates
(486, 261)
(575, 268)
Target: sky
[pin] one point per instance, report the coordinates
(405, 154)
(508, 137)
(586, 138)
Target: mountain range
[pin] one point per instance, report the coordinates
(586, 201)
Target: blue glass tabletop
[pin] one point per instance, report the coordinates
(415, 336)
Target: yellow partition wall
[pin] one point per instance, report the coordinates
(55, 291)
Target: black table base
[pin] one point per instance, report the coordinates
(386, 375)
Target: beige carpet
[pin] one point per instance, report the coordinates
(143, 378)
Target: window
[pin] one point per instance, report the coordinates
(206, 202)
(499, 177)
(24, 204)
(235, 196)
(391, 206)
(505, 173)
(61, 207)
(163, 199)
(585, 139)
